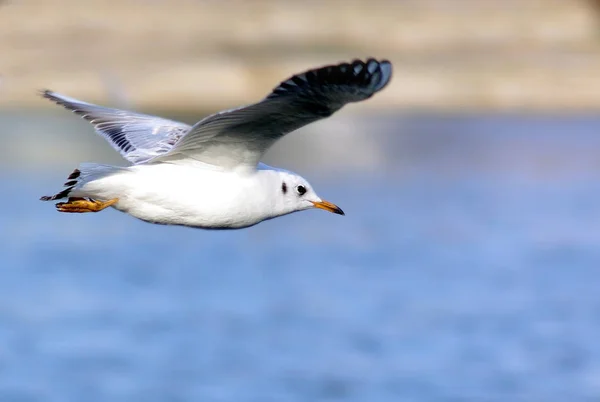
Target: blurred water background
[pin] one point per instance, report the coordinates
(466, 267)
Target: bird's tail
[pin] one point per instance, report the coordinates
(85, 173)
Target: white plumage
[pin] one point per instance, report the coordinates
(209, 175)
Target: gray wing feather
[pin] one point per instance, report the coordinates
(137, 137)
(241, 136)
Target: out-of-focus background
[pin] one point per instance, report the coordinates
(467, 267)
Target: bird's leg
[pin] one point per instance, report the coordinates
(81, 205)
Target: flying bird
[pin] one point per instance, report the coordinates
(209, 175)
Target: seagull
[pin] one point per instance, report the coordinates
(209, 175)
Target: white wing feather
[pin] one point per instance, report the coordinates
(137, 137)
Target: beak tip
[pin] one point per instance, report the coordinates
(329, 207)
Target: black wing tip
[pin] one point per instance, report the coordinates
(385, 68)
(70, 104)
(369, 75)
(50, 95)
(377, 73)
(45, 93)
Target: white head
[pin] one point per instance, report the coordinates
(293, 193)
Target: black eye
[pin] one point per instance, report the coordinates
(284, 187)
(301, 190)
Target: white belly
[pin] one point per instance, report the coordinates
(180, 195)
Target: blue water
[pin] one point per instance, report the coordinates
(477, 283)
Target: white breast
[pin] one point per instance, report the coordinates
(182, 195)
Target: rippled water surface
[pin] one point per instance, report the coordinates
(463, 272)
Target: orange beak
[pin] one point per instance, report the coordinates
(328, 206)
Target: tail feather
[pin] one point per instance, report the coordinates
(84, 174)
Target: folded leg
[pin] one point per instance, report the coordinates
(81, 205)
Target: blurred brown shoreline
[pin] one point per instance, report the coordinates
(190, 55)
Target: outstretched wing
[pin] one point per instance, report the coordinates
(241, 136)
(137, 137)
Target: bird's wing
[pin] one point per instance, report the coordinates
(137, 137)
(241, 136)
